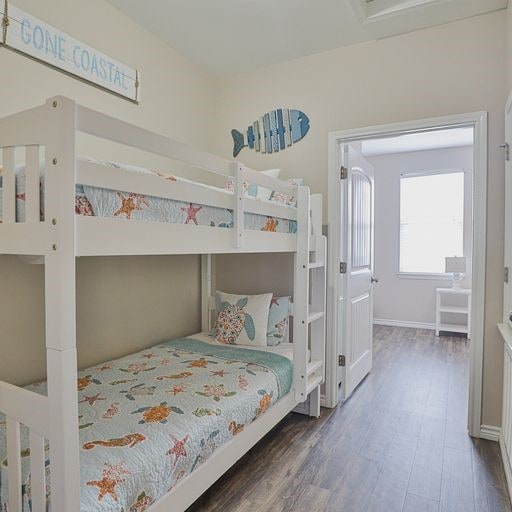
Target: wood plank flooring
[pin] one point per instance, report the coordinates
(398, 444)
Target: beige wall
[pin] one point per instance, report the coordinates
(123, 303)
(450, 69)
(260, 273)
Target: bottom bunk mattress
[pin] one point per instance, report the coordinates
(149, 419)
(101, 202)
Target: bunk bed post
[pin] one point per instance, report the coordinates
(238, 211)
(301, 295)
(60, 304)
(206, 291)
(316, 214)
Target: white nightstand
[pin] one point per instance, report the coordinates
(463, 311)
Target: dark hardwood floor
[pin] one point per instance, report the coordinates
(398, 444)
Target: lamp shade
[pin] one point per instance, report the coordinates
(455, 264)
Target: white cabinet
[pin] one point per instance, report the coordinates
(449, 306)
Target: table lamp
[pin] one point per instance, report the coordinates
(457, 267)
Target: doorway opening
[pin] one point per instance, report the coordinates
(407, 206)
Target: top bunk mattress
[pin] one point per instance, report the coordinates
(102, 202)
(149, 419)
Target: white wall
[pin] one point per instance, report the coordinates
(123, 303)
(449, 69)
(413, 300)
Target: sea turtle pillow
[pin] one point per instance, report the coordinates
(278, 318)
(242, 319)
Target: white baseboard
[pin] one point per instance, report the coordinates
(506, 465)
(490, 432)
(400, 323)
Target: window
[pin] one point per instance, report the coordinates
(431, 221)
(361, 220)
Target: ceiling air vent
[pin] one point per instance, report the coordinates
(371, 9)
(385, 18)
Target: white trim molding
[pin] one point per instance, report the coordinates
(403, 323)
(477, 120)
(424, 275)
(506, 464)
(490, 432)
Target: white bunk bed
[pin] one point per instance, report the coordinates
(62, 236)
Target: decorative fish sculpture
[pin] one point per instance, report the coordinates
(273, 132)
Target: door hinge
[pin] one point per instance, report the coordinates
(343, 173)
(506, 147)
(506, 274)
(343, 267)
(341, 360)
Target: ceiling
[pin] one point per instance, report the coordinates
(440, 139)
(227, 36)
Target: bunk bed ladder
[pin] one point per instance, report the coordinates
(309, 304)
(301, 295)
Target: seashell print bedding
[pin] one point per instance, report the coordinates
(149, 419)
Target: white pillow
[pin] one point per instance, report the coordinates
(242, 319)
(252, 190)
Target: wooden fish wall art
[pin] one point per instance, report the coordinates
(272, 132)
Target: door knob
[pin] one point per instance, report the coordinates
(374, 280)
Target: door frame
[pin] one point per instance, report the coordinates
(477, 120)
(507, 298)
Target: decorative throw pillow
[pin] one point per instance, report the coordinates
(278, 319)
(252, 190)
(242, 319)
(289, 200)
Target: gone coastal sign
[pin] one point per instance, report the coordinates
(31, 36)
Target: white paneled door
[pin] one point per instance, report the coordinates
(356, 271)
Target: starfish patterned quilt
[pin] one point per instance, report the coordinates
(100, 202)
(149, 419)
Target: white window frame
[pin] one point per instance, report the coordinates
(430, 275)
